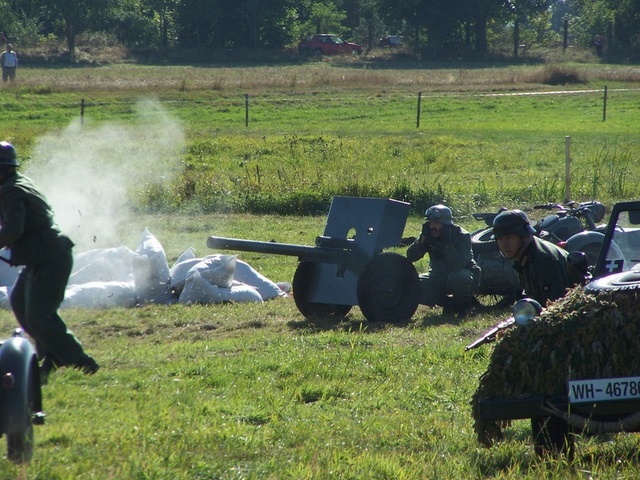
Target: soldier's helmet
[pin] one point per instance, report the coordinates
(439, 213)
(8, 154)
(512, 221)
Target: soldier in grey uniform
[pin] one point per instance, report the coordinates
(453, 275)
(542, 266)
(36, 243)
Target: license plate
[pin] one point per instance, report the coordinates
(604, 389)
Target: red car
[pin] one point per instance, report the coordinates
(324, 44)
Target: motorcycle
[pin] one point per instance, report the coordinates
(20, 396)
(573, 226)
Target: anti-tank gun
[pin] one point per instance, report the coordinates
(349, 265)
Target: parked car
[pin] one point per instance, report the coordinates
(325, 44)
(391, 41)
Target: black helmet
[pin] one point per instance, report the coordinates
(439, 213)
(8, 155)
(512, 221)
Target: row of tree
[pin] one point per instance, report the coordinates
(431, 27)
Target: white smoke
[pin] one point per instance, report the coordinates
(87, 172)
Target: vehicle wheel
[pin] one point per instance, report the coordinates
(20, 443)
(301, 283)
(481, 242)
(495, 301)
(388, 288)
(317, 53)
(624, 281)
(551, 436)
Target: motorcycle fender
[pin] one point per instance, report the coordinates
(18, 358)
(578, 241)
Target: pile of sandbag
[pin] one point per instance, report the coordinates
(121, 277)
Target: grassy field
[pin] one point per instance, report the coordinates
(257, 391)
(323, 129)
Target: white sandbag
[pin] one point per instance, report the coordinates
(103, 265)
(151, 271)
(8, 274)
(188, 254)
(241, 293)
(246, 274)
(100, 295)
(198, 290)
(179, 273)
(216, 269)
(5, 292)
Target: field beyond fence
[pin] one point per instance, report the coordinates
(248, 391)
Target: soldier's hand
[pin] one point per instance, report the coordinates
(425, 236)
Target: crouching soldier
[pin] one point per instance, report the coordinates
(453, 275)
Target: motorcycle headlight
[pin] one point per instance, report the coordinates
(526, 310)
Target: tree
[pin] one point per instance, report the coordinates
(77, 16)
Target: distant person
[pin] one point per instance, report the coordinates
(598, 43)
(9, 62)
(542, 267)
(453, 275)
(36, 243)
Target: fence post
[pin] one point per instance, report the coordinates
(82, 111)
(246, 109)
(604, 108)
(567, 168)
(419, 102)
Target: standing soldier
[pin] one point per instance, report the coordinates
(9, 63)
(453, 276)
(36, 243)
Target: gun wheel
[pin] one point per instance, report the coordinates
(388, 288)
(301, 285)
(494, 301)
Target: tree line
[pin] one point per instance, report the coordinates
(433, 28)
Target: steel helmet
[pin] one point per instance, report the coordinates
(512, 221)
(8, 154)
(439, 213)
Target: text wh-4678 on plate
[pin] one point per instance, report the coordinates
(604, 389)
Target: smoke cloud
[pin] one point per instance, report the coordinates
(87, 172)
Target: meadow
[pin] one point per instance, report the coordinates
(257, 391)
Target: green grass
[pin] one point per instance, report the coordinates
(257, 391)
(319, 130)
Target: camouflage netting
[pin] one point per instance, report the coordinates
(581, 336)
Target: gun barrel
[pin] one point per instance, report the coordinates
(303, 252)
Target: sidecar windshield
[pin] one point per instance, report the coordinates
(620, 250)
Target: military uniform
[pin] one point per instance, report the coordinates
(34, 242)
(542, 271)
(453, 276)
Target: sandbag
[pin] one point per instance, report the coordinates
(216, 269)
(8, 274)
(245, 273)
(103, 265)
(198, 290)
(5, 292)
(151, 271)
(100, 295)
(179, 273)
